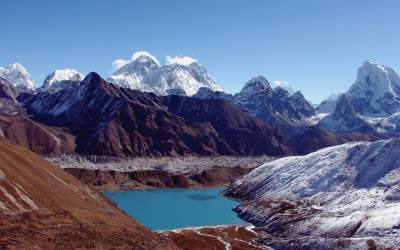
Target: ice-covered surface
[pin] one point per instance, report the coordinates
(176, 165)
(344, 118)
(18, 76)
(329, 104)
(61, 79)
(385, 125)
(351, 190)
(376, 91)
(180, 75)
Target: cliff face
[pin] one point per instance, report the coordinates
(43, 206)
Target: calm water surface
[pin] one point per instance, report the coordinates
(162, 209)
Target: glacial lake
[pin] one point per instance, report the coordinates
(162, 209)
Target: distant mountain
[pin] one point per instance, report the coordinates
(61, 79)
(276, 106)
(344, 118)
(108, 120)
(181, 77)
(207, 93)
(371, 104)
(375, 93)
(18, 76)
(240, 132)
(329, 104)
(45, 207)
(343, 192)
(131, 74)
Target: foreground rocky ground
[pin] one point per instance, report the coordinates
(218, 237)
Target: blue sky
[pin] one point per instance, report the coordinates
(314, 45)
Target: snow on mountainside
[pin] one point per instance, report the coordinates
(131, 74)
(375, 93)
(180, 75)
(373, 99)
(343, 118)
(329, 104)
(18, 76)
(349, 191)
(61, 79)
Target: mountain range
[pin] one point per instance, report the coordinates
(98, 117)
(180, 77)
(315, 195)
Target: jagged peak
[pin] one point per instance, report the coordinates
(298, 94)
(18, 76)
(257, 82)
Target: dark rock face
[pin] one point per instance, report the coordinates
(302, 105)
(108, 120)
(275, 106)
(239, 131)
(307, 139)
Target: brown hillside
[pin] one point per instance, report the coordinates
(43, 207)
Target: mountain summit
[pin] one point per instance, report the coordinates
(18, 76)
(376, 91)
(61, 79)
(180, 75)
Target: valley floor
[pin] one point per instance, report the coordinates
(112, 173)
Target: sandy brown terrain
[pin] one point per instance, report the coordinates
(43, 207)
(218, 238)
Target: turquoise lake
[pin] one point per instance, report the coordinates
(162, 209)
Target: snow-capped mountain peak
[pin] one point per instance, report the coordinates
(18, 76)
(376, 92)
(144, 56)
(180, 75)
(61, 79)
(181, 60)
